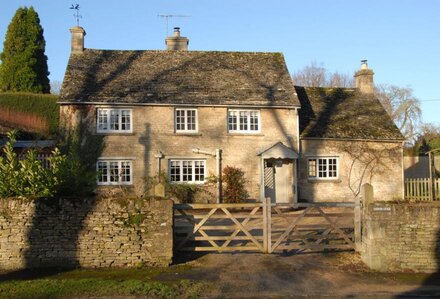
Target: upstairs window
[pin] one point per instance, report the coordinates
(185, 120)
(187, 171)
(244, 121)
(111, 120)
(323, 168)
(114, 172)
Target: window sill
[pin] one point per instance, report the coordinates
(316, 181)
(115, 185)
(187, 134)
(245, 134)
(114, 134)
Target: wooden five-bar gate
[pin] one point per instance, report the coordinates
(266, 227)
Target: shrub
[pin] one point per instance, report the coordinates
(234, 190)
(27, 176)
(181, 192)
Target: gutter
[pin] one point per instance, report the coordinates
(180, 105)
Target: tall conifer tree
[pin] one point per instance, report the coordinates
(24, 64)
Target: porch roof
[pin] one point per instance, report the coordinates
(278, 151)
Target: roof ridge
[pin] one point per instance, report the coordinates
(184, 52)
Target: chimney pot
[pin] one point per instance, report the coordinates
(177, 31)
(364, 78)
(77, 44)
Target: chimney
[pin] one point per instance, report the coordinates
(364, 78)
(78, 33)
(177, 42)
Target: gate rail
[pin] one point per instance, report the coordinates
(266, 227)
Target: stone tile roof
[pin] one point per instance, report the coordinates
(179, 77)
(343, 113)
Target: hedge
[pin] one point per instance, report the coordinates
(43, 105)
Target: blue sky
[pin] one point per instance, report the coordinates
(400, 38)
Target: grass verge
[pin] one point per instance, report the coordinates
(96, 283)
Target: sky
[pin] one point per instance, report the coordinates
(400, 38)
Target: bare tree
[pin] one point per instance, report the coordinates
(365, 160)
(340, 80)
(316, 75)
(55, 87)
(403, 107)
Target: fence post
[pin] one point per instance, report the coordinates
(265, 240)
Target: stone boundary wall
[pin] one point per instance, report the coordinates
(401, 237)
(110, 232)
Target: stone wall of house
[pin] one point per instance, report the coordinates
(111, 232)
(402, 237)
(359, 162)
(153, 131)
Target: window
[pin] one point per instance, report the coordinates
(114, 172)
(114, 120)
(323, 168)
(187, 171)
(185, 120)
(245, 121)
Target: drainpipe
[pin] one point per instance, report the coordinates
(218, 157)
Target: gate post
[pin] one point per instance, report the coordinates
(267, 241)
(357, 225)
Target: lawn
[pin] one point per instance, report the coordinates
(91, 283)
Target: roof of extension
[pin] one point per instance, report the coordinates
(179, 77)
(343, 113)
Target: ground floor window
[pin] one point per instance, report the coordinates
(323, 168)
(114, 172)
(187, 171)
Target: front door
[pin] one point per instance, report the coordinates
(279, 180)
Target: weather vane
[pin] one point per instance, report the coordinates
(76, 14)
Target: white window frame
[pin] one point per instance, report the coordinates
(181, 174)
(185, 120)
(319, 172)
(108, 119)
(248, 117)
(119, 164)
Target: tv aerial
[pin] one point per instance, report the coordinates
(167, 16)
(76, 14)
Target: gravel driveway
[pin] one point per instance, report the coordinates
(247, 275)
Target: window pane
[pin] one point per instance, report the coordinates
(102, 172)
(191, 120)
(180, 120)
(244, 120)
(125, 120)
(232, 121)
(102, 120)
(312, 168)
(187, 171)
(322, 168)
(114, 119)
(125, 171)
(175, 171)
(114, 172)
(254, 120)
(332, 168)
(199, 171)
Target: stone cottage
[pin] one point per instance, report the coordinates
(188, 114)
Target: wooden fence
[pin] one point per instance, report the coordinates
(422, 189)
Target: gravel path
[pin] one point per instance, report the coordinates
(338, 275)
